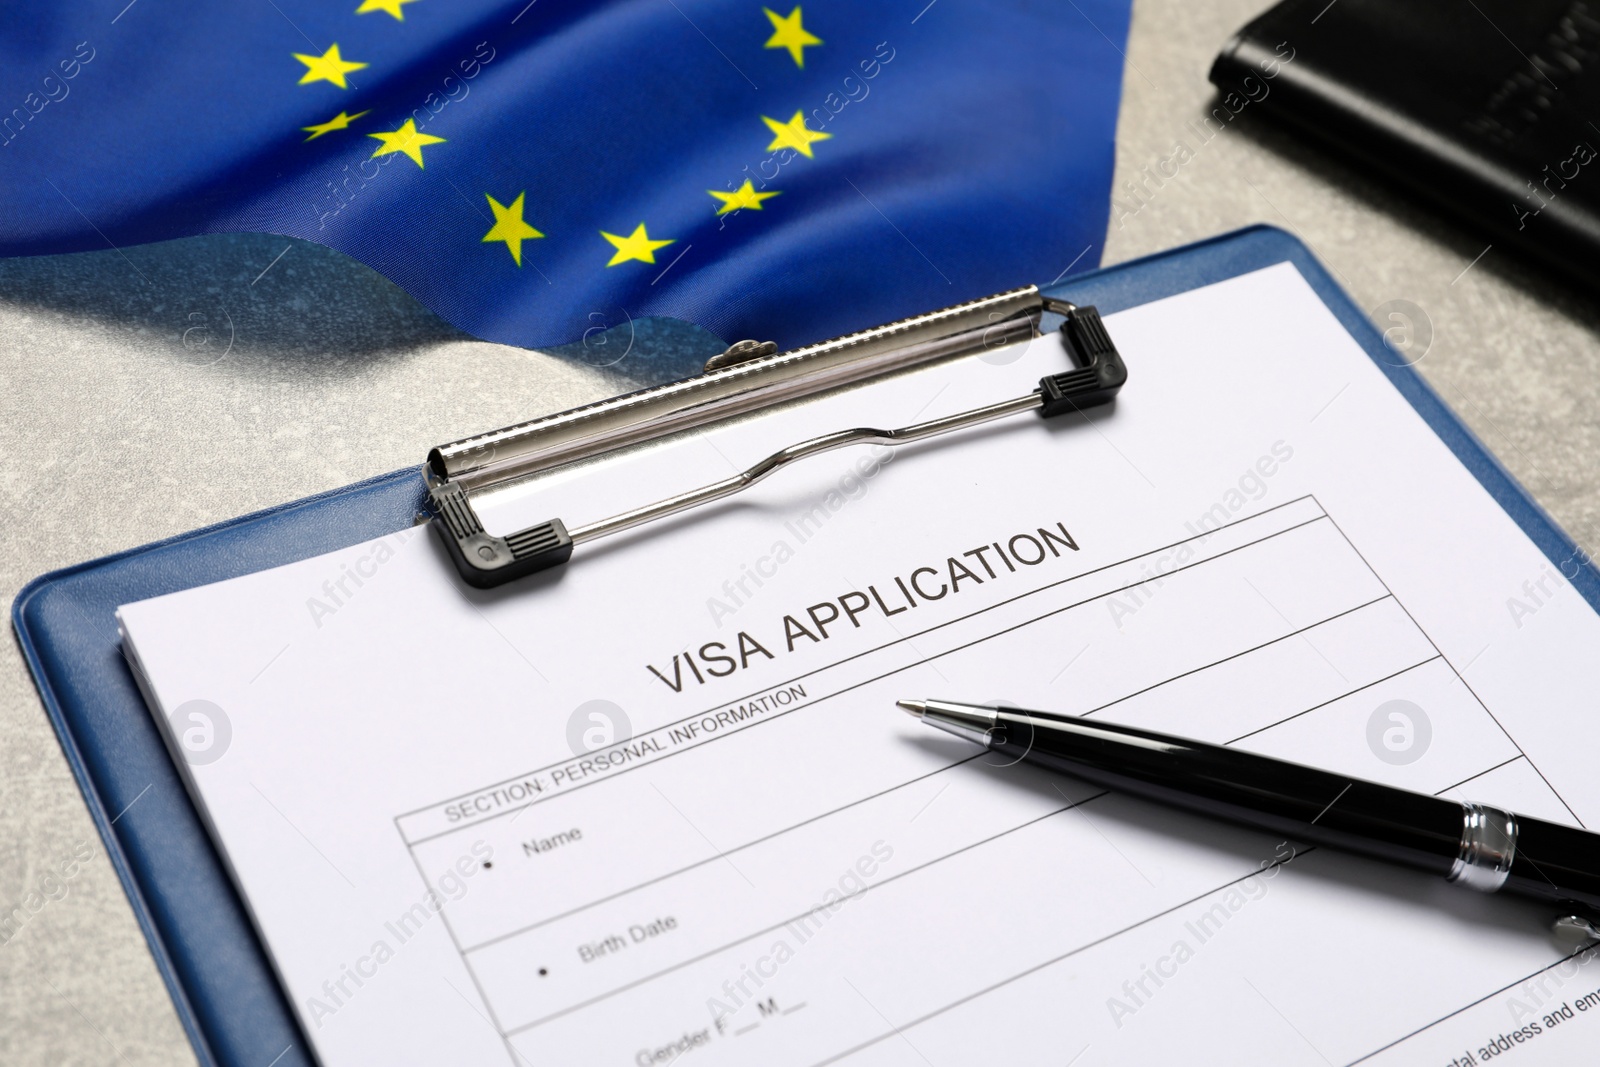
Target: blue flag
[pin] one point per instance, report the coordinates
(538, 169)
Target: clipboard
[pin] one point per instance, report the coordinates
(198, 928)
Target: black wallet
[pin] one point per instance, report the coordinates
(1489, 109)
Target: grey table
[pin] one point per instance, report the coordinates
(151, 390)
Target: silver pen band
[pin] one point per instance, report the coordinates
(1488, 845)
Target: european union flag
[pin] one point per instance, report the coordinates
(533, 169)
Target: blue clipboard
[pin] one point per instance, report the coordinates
(198, 928)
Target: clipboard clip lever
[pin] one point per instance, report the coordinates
(760, 376)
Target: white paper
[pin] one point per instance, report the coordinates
(1262, 544)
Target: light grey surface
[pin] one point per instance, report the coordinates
(126, 417)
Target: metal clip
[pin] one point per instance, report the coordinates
(740, 352)
(742, 380)
(1098, 373)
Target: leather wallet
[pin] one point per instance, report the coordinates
(1488, 109)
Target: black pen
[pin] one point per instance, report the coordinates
(1470, 844)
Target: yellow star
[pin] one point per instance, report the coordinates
(786, 33)
(793, 134)
(330, 66)
(743, 197)
(391, 6)
(341, 121)
(637, 245)
(406, 139)
(508, 225)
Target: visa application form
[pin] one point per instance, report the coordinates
(660, 805)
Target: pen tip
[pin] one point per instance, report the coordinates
(913, 707)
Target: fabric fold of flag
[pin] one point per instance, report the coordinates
(534, 171)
